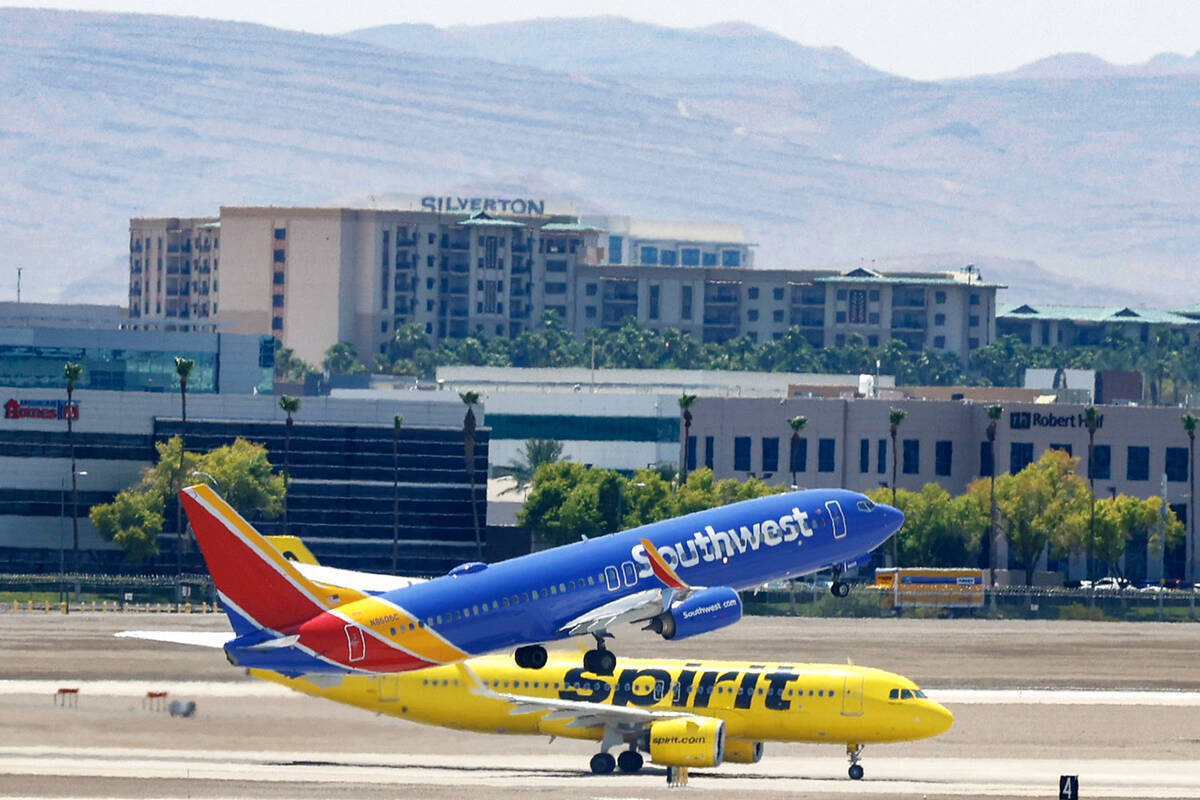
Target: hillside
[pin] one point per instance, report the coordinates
(1089, 186)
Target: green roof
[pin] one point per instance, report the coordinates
(1187, 311)
(570, 227)
(1114, 314)
(930, 281)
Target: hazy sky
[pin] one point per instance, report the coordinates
(922, 39)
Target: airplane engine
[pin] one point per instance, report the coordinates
(706, 610)
(687, 742)
(741, 752)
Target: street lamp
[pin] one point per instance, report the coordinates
(202, 474)
(62, 514)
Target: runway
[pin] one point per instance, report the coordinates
(793, 776)
(1115, 704)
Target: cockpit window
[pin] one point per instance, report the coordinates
(865, 505)
(918, 693)
(894, 694)
(906, 694)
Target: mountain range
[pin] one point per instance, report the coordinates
(1068, 181)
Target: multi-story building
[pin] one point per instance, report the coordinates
(1069, 326)
(311, 277)
(173, 272)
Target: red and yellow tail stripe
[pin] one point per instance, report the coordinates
(661, 568)
(393, 625)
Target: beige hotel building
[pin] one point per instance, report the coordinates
(458, 266)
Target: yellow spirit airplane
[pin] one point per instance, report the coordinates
(683, 714)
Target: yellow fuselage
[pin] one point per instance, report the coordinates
(758, 701)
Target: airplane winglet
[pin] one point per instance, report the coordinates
(662, 570)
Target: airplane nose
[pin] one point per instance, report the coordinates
(936, 718)
(893, 518)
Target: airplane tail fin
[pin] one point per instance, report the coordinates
(259, 587)
(662, 570)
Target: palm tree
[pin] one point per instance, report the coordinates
(470, 399)
(397, 424)
(797, 424)
(73, 373)
(685, 427)
(183, 368)
(895, 418)
(1091, 421)
(534, 453)
(994, 413)
(1189, 426)
(290, 406)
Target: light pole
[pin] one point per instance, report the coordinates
(62, 514)
(202, 474)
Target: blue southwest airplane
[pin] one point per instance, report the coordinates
(680, 577)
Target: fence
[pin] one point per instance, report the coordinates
(84, 591)
(1007, 602)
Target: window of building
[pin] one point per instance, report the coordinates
(278, 278)
(685, 302)
(841, 294)
(556, 265)
(770, 455)
(615, 249)
(777, 315)
(973, 342)
(939, 297)
(1176, 465)
(943, 455)
(383, 326)
(873, 295)
(429, 305)
(590, 289)
(668, 258)
(973, 321)
(741, 453)
(752, 293)
(691, 453)
(1066, 448)
(985, 459)
(858, 307)
(731, 258)
(708, 259)
(839, 317)
(752, 314)
(798, 462)
(556, 288)
(1020, 455)
(690, 256)
(1102, 462)
(276, 323)
(281, 233)
(864, 455)
(280, 255)
(910, 457)
(974, 299)
(649, 255)
(939, 342)
(708, 452)
(825, 455)
(589, 312)
(277, 301)
(939, 319)
(777, 293)
(655, 290)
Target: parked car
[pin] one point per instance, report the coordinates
(1109, 583)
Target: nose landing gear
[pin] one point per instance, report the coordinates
(838, 588)
(854, 752)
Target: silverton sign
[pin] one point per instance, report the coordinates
(502, 205)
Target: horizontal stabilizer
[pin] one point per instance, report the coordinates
(215, 639)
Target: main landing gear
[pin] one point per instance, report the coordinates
(839, 588)
(629, 761)
(531, 656)
(600, 661)
(854, 751)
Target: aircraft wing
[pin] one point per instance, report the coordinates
(631, 608)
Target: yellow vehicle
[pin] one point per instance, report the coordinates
(683, 714)
(911, 587)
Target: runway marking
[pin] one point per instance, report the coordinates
(950, 697)
(824, 775)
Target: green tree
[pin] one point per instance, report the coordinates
(342, 358)
(289, 367)
(73, 373)
(470, 399)
(290, 406)
(1043, 505)
(686, 401)
(243, 471)
(939, 530)
(1119, 519)
(534, 453)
